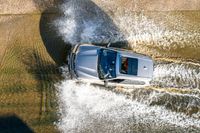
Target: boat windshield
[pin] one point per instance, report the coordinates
(107, 64)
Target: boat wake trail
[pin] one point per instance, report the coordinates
(176, 75)
(85, 108)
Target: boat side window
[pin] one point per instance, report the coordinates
(124, 65)
(129, 66)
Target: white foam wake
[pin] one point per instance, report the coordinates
(85, 108)
(139, 30)
(177, 75)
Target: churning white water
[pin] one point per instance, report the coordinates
(176, 75)
(85, 108)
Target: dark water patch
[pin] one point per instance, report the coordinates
(13, 124)
(54, 44)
